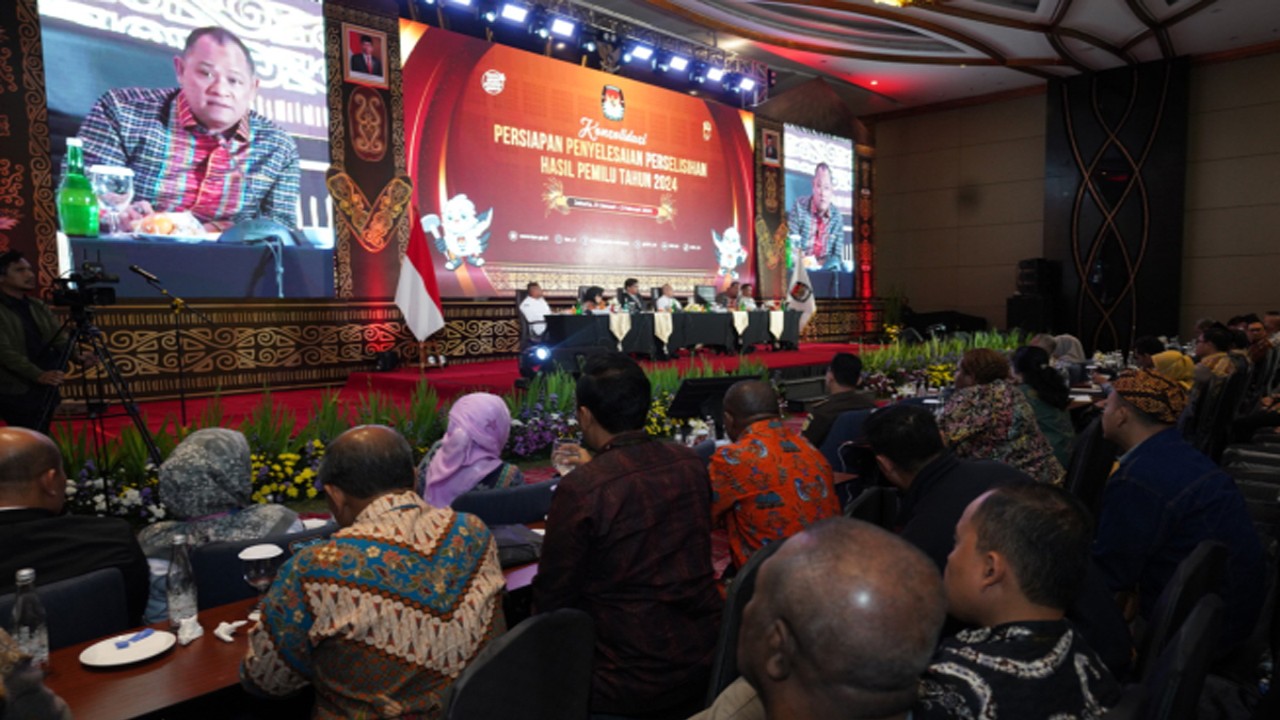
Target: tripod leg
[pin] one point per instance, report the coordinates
(109, 368)
(64, 360)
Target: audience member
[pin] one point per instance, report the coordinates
(831, 633)
(469, 456)
(23, 695)
(206, 488)
(1175, 366)
(843, 375)
(667, 302)
(987, 417)
(1164, 499)
(1021, 556)
(1213, 358)
(629, 541)
(1045, 342)
(1144, 349)
(1049, 396)
(630, 300)
(34, 533)
(1259, 342)
(1271, 321)
(1068, 358)
(382, 617)
(535, 309)
(937, 486)
(769, 483)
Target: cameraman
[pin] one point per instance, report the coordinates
(29, 373)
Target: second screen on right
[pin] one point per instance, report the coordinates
(819, 201)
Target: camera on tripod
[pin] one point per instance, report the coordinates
(85, 288)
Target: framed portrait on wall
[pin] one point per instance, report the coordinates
(771, 152)
(366, 56)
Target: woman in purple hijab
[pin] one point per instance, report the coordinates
(469, 456)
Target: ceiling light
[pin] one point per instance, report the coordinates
(562, 27)
(679, 63)
(715, 74)
(463, 3)
(642, 52)
(746, 84)
(514, 12)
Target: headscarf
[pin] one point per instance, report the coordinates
(1175, 366)
(1069, 350)
(1155, 395)
(479, 424)
(209, 472)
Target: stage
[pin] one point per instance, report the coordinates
(495, 376)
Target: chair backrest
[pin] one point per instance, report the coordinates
(526, 334)
(877, 505)
(724, 664)
(1090, 465)
(220, 572)
(1224, 411)
(517, 505)
(81, 608)
(538, 670)
(1132, 705)
(1199, 574)
(1177, 676)
(848, 426)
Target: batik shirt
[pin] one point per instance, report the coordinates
(768, 486)
(805, 225)
(179, 165)
(1019, 670)
(383, 617)
(995, 422)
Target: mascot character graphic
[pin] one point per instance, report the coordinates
(729, 252)
(460, 234)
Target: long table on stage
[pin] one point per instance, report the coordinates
(687, 330)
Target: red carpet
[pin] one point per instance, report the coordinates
(498, 377)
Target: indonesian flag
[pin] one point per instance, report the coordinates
(416, 294)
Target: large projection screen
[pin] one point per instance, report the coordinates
(528, 168)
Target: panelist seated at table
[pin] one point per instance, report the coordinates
(747, 298)
(667, 301)
(629, 300)
(535, 309)
(729, 298)
(593, 299)
(198, 147)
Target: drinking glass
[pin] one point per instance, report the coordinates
(563, 452)
(114, 187)
(260, 565)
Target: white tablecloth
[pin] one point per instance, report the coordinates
(662, 326)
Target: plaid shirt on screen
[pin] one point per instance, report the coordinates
(179, 165)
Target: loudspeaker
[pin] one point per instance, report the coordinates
(1039, 276)
(1029, 313)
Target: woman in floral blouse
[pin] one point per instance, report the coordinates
(989, 418)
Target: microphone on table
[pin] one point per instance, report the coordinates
(146, 275)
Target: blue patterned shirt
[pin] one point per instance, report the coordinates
(179, 165)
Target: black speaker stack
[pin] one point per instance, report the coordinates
(1039, 286)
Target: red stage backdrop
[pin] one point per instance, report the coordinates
(528, 168)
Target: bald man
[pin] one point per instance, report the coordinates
(770, 483)
(34, 533)
(832, 633)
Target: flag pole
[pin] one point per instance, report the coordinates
(422, 359)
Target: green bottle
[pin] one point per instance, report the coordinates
(77, 205)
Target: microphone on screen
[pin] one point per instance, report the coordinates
(146, 275)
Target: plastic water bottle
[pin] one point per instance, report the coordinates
(182, 583)
(30, 627)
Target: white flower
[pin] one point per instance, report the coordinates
(157, 511)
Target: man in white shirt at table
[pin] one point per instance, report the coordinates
(535, 310)
(667, 302)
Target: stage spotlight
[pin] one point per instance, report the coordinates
(639, 51)
(563, 28)
(679, 63)
(463, 3)
(588, 40)
(746, 84)
(514, 12)
(715, 74)
(699, 74)
(541, 353)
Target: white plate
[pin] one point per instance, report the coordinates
(106, 654)
(313, 523)
(265, 551)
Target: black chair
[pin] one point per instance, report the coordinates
(1269, 707)
(518, 505)
(1132, 705)
(724, 664)
(1177, 676)
(539, 670)
(220, 572)
(876, 505)
(81, 608)
(1090, 465)
(1201, 573)
(847, 427)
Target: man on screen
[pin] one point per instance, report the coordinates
(199, 147)
(816, 222)
(365, 61)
